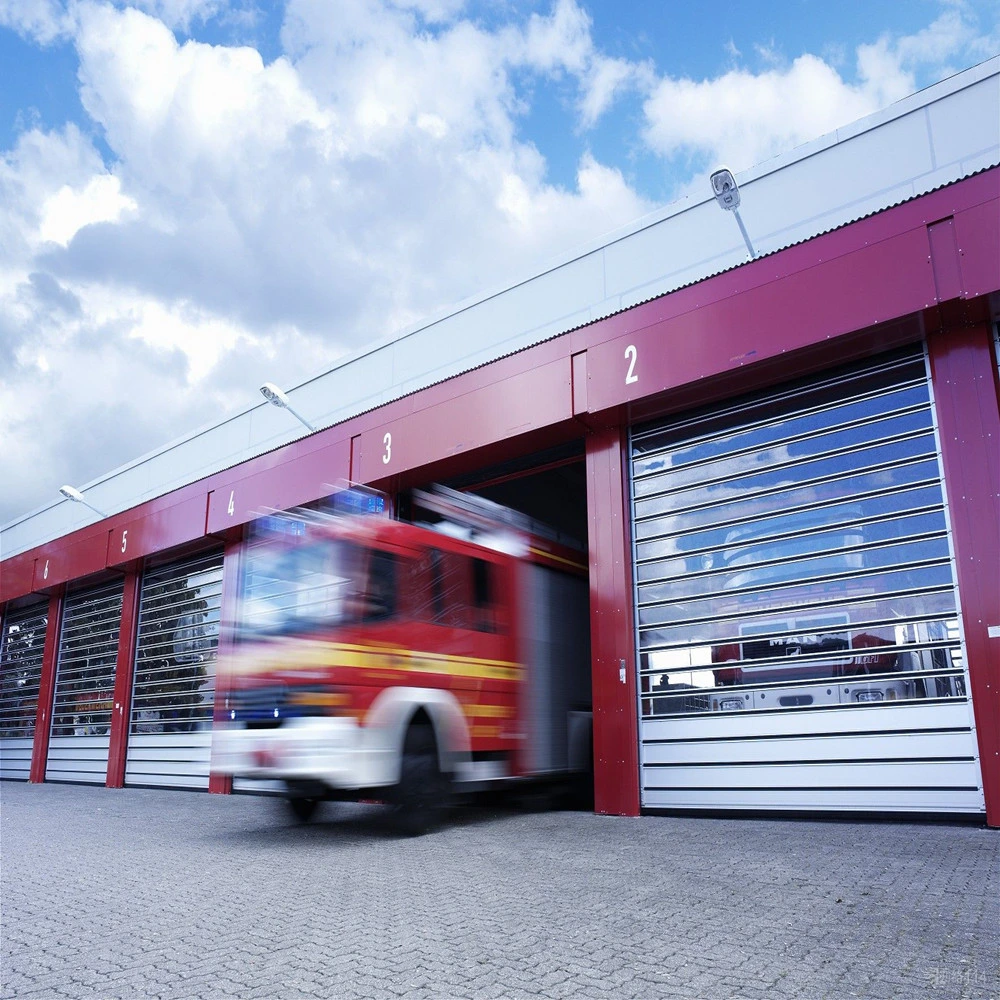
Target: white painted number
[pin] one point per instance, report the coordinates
(387, 441)
(232, 503)
(45, 572)
(124, 539)
(631, 354)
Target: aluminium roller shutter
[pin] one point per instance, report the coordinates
(22, 643)
(173, 692)
(85, 685)
(798, 625)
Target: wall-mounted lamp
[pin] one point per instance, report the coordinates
(727, 194)
(274, 395)
(73, 494)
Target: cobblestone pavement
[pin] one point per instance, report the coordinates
(142, 893)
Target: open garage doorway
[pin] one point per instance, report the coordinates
(549, 487)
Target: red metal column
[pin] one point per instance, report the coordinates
(967, 396)
(124, 675)
(46, 688)
(616, 752)
(232, 576)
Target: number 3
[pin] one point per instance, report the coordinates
(387, 441)
(631, 353)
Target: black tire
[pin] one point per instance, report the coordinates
(421, 798)
(302, 807)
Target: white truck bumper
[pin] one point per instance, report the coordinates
(336, 751)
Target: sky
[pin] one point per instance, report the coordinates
(197, 196)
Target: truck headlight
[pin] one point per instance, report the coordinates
(731, 704)
(871, 696)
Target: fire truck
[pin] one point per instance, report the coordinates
(400, 661)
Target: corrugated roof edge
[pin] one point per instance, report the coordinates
(906, 105)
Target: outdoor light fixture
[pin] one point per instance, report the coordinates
(73, 494)
(274, 395)
(727, 194)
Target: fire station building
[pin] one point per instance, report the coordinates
(784, 465)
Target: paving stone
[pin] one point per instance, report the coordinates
(141, 893)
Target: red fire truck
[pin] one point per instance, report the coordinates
(381, 659)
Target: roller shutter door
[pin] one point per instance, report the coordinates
(85, 684)
(21, 647)
(170, 724)
(797, 613)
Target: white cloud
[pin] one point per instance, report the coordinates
(259, 220)
(560, 41)
(39, 166)
(44, 21)
(605, 80)
(742, 117)
(66, 212)
(181, 14)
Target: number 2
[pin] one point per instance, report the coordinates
(632, 354)
(387, 441)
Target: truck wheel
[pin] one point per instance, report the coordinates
(303, 798)
(420, 798)
(302, 808)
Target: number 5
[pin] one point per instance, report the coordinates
(124, 539)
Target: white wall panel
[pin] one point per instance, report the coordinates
(15, 757)
(822, 800)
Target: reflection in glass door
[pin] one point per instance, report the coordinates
(796, 606)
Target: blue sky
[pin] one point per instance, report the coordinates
(200, 195)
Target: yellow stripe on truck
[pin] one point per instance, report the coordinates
(306, 654)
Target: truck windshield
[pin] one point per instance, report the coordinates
(288, 589)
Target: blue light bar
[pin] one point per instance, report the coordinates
(271, 524)
(357, 501)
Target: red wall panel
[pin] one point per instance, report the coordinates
(17, 575)
(965, 391)
(156, 530)
(46, 688)
(612, 631)
(62, 560)
(977, 233)
(231, 582)
(819, 303)
(538, 397)
(124, 676)
(278, 481)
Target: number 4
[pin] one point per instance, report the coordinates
(232, 503)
